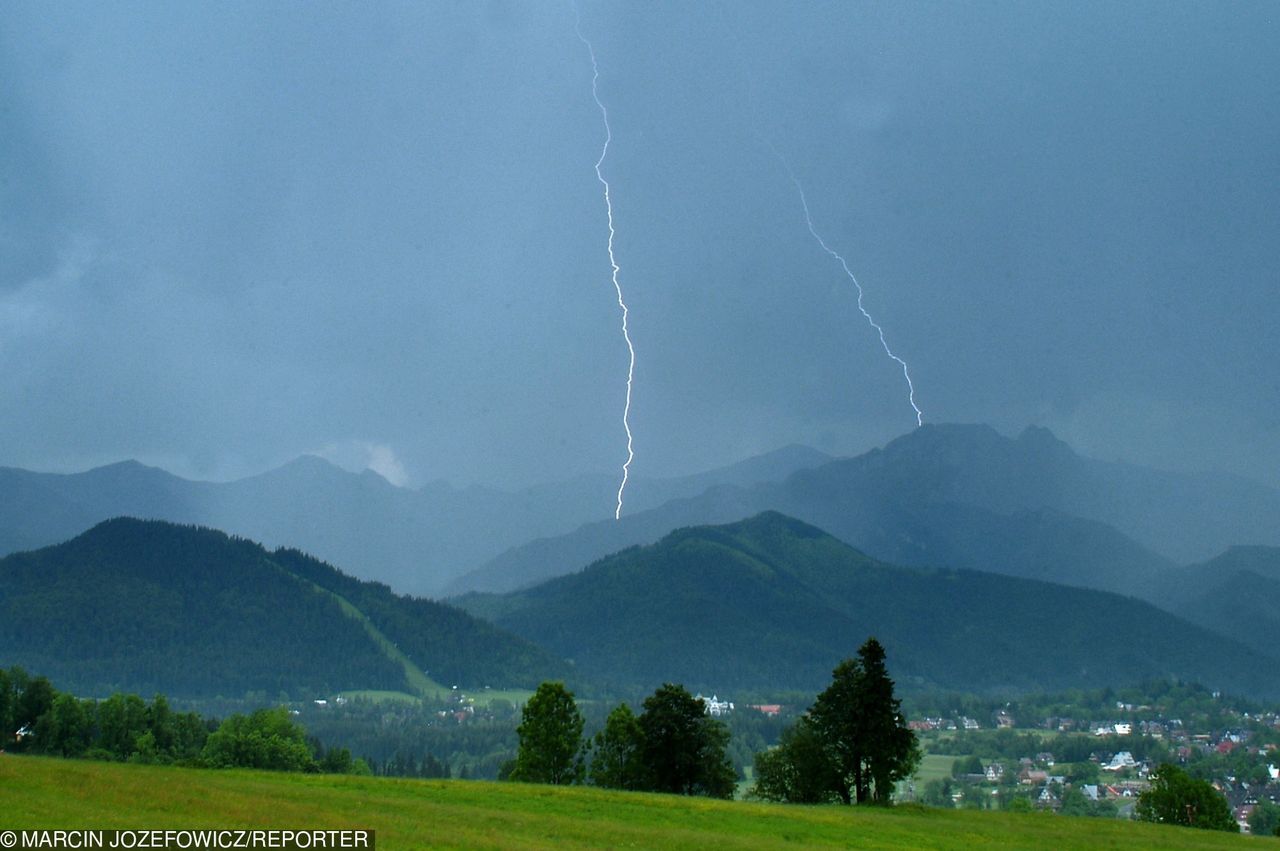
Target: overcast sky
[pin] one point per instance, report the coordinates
(234, 233)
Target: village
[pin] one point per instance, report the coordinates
(1099, 765)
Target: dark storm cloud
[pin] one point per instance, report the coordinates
(234, 233)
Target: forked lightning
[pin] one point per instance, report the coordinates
(608, 205)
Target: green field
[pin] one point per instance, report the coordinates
(375, 696)
(934, 766)
(50, 793)
(485, 696)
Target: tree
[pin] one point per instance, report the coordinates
(266, 739)
(7, 728)
(683, 748)
(838, 715)
(551, 748)
(863, 726)
(1075, 803)
(64, 730)
(1177, 798)
(1265, 819)
(35, 698)
(1020, 804)
(799, 770)
(617, 761)
(892, 752)
(938, 793)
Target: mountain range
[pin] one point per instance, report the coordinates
(413, 540)
(959, 496)
(765, 604)
(774, 602)
(960, 501)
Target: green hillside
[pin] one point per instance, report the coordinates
(406, 814)
(148, 606)
(774, 603)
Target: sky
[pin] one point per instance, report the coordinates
(234, 233)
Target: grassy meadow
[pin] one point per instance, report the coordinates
(50, 793)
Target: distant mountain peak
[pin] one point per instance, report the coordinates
(127, 468)
(1039, 437)
(980, 438)
(310, 462)
(772, 522)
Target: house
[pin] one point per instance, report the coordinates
(1123, 729)
(772, 710)
(24, 732)
(1274, 772)
(929, 724)
(1004, 720)
(1119, 762)
(715, 706)
(1032, 777)
(1090, 791)
(994, 772)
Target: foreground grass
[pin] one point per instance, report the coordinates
(50, 793)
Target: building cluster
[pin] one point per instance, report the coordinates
(1242, 752)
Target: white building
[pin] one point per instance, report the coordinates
(714, 705)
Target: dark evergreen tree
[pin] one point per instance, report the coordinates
(551, 747)
(891, 751)
(839, 717)
(684, 748)
(862, 723)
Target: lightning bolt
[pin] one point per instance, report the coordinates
(608, 205)
(808, 220)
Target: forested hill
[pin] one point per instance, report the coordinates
(150, 606)
(771, 602)
(1240, 589)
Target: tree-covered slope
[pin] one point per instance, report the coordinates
(150, 606)
(771, 602)
(1237, 592)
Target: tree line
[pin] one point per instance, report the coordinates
(36, 718)
(671, 746)
(853, 745)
